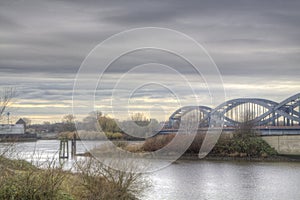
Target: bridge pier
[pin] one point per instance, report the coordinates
(284, 144)
(299, 113)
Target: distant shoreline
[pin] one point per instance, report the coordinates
(18, 137)
(279, 158)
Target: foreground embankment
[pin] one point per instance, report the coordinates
(20, 179)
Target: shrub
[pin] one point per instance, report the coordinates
(252, 146)
(114, 136)
(98, 182)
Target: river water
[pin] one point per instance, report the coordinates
(211, 180)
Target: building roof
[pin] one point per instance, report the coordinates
(21, 121)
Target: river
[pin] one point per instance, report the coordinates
(211, 180)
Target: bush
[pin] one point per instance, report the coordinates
(251, 146)
(114, 136)
(97, 182)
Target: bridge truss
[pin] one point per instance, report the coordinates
(261, 112)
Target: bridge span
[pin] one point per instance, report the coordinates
(261, 112)
(261, 131)
(284, 139)
(277, 123)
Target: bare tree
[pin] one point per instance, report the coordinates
(140, 119)
(6, 97)
(68, 121)
(246, 127)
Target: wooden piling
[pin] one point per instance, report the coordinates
(64, 148)
(73, 146)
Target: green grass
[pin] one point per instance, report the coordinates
(250, 146)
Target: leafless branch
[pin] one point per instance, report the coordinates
(6, 96)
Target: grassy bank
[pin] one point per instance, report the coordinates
(231, 147)
(254, 147)
(92, 181)
(238, 147)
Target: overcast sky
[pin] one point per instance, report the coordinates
(255, 44)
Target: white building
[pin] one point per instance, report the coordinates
(12, 129)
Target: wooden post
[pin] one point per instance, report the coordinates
(64, 148)
(73, 146)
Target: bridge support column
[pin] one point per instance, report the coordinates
(299, 113)
(170, 122)
(292, 113)
(273, 115)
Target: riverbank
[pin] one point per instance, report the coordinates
(18, 137)
(279, 158)
(226, 149)
(20, 179)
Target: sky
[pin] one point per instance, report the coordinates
(254, 44)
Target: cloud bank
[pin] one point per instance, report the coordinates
(255, 45)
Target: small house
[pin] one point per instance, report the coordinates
(21, 121)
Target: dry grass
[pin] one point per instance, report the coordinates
(134, 147)
(157, 142)
(160, 141)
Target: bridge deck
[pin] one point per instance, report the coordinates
(264, 130)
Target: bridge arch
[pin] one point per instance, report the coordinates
(263, 112)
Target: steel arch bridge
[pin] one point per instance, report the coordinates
(261, 112)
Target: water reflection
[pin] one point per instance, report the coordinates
(42, 151)
(226, 180)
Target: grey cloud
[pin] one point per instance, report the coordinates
(42, 43)
(8, 24)
(144, 14)
(63, 49)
